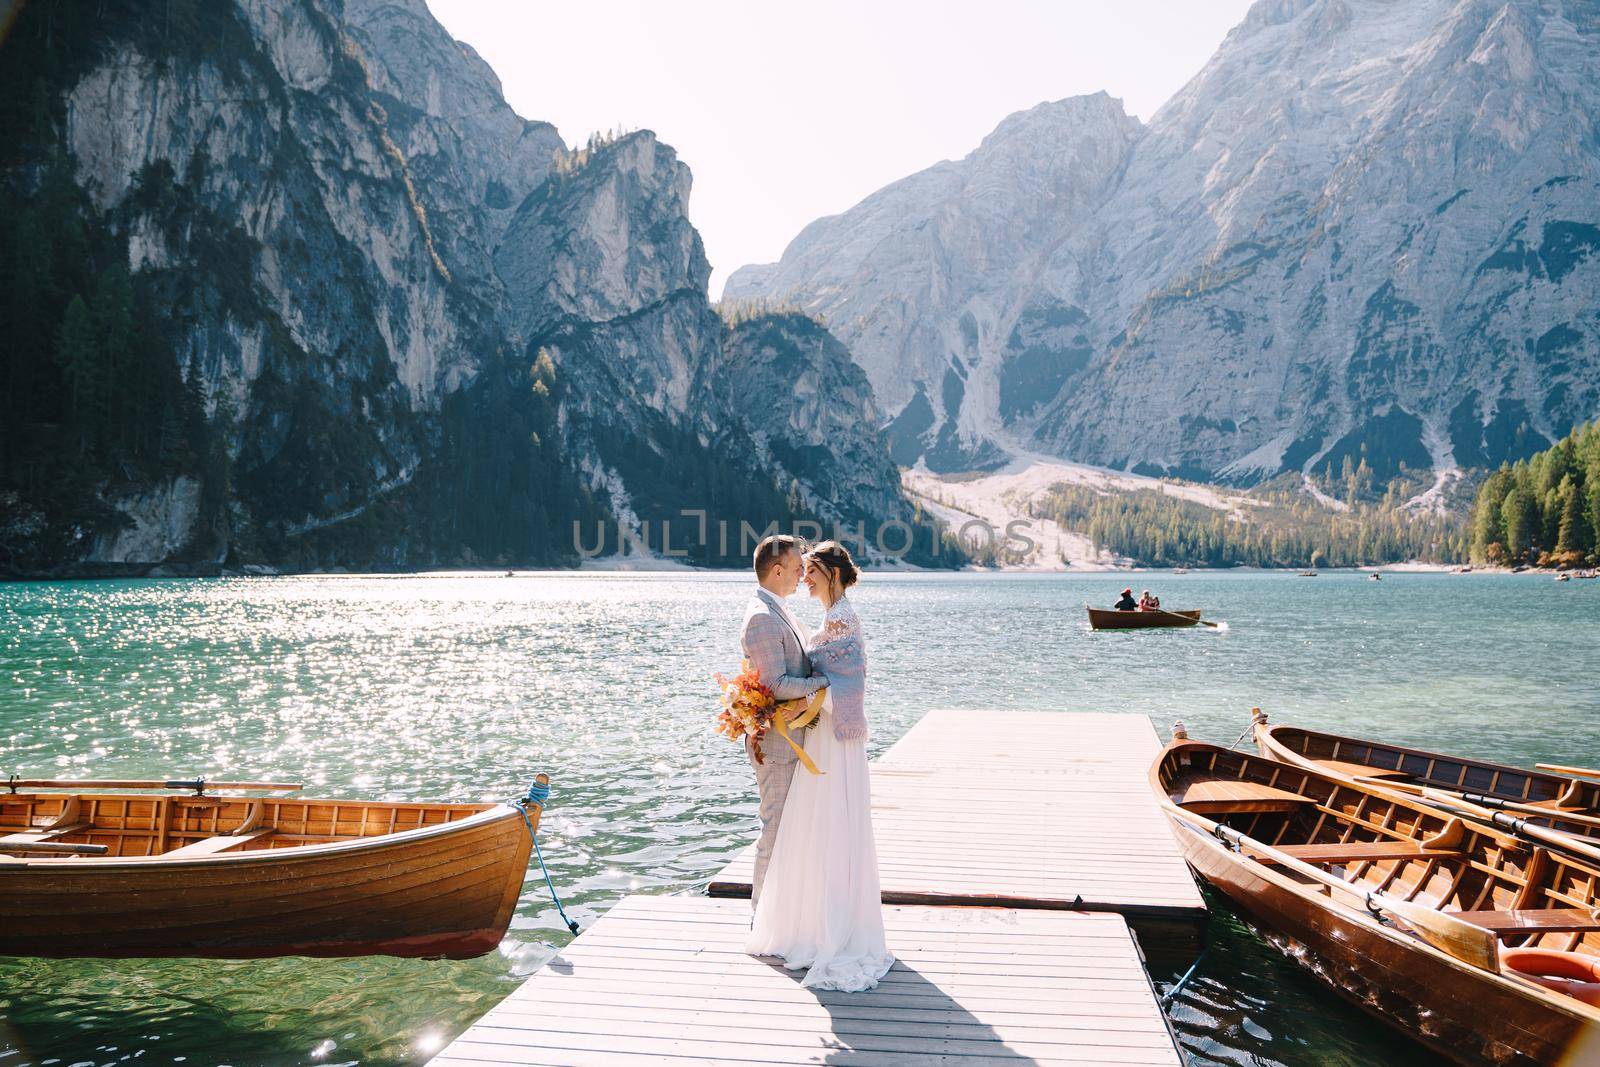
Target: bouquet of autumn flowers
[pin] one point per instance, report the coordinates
(749, 709)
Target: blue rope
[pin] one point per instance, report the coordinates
(1172, 994)
(537, 795)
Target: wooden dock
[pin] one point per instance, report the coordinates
(1020, 809)
(666, 980)
(1005, 840)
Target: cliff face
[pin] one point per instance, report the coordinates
(1364, 230)
(391, 322)
(811, 413)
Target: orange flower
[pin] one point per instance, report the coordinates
(748, 708)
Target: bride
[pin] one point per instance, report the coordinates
(820, 908)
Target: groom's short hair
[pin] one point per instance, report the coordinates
(771, 550)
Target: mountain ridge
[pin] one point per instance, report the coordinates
(1361, 231)
(337, 304)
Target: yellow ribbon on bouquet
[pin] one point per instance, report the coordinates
(808, 710)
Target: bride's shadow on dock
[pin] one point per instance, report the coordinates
(908, 1014)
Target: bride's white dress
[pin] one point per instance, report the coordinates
(820, 905)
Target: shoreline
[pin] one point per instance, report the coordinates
(658, 566)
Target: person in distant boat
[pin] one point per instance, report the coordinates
(1148, 602)
(1127, 603)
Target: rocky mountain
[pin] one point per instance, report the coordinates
(828, 432)
(293, 285)
(1364, 230)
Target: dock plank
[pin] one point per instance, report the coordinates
(1047, 810)
(667, 979)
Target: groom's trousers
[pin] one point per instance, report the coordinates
(772, 782)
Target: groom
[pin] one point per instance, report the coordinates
(773, 644)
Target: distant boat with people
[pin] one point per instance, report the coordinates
(1142, 614)
(1111, 619)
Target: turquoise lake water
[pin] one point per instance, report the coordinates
(460, 687)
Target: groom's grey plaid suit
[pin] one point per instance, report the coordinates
(772, 643)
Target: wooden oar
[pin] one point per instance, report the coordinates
(1576, 772)
(1560, 839)
(1175, 615)
(1497, 803)
(1463, 940)
(53, 846)
(1456, 805)
(197, 784)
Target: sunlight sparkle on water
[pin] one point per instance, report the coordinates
(464, 686)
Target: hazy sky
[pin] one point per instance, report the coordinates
(787, 112)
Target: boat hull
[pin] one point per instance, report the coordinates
(1462, 1013)
(1104, 619)
(443, 891)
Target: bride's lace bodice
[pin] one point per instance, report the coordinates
(840, 621)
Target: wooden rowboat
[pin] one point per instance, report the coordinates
(1105, 619)
(1352, 758)
(127, 875)
(1441, 926)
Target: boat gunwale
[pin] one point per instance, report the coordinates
(1273, 748)
(494, 812)
(1202, 828)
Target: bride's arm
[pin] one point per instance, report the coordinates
(844, 661)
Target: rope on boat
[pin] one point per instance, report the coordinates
(1172, 994)
(537, 794)
(1256, 718)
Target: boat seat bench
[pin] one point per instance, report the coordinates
(1515, 922)
(1214, 796)
(1364, 852)
(1360, 770)
(210, 846)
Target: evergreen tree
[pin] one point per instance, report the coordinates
(1574, 533)
(78, 358)
(1594, 508)
(170, 438)
(1549, 518)
(1488, 522)
(1521, 520)
(192, 410)
(1552, 499)
(117, 408)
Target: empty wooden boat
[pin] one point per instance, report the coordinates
(1107, 619)
(1531, 792)
(98, 873)
(1464, 935)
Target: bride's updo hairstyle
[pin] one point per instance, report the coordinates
(836, 558)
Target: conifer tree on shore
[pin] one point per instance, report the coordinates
(1545, 510)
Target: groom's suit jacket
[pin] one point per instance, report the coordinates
(772, 643)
